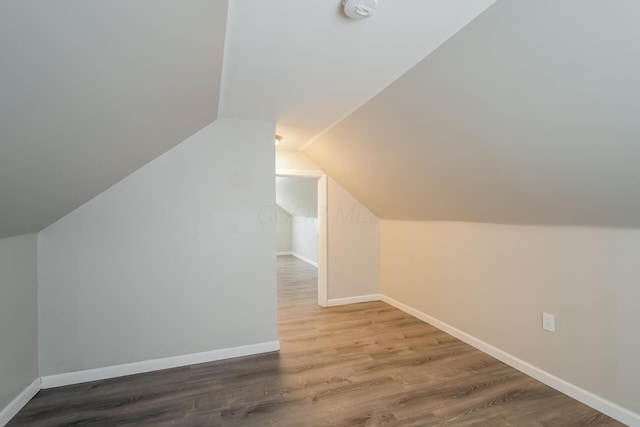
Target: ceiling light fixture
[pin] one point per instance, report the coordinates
(278, 139)
(358, 9)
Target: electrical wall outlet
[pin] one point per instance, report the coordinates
(548, 322)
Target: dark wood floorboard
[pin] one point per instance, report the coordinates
(365, 364)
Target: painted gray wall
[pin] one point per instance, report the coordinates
(354, 245)
(296, 191)
(92, 90)
(283, 230)
(304, 237)
(299, 197)
(18, 315)
(494, 281)
(175, 259)
(528, 115)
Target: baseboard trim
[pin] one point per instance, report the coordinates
(19, 402)
(305, 259)
(77, 377)
(353, 300)
(603, 405)
(283, 253)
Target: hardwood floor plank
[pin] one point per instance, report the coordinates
(365, 364)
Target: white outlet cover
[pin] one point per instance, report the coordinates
(548, 322)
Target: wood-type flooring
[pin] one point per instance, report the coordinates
(365, 364)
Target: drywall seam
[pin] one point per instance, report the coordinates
(605, 406)
(19, 401)
(353, 300)
(77, 377)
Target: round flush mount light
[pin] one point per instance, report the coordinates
(359, 9)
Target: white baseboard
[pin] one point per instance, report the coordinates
(353, 300)
(77, 377)
(283, 253)
(603, 405)
(305, 259)
(19, 401)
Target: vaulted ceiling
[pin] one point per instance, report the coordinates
(304, 65)
(91, 90)
(528, 115)
(518, 112)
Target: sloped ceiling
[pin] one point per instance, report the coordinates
(528, 115)
(304, 65)
(298, 196)
(91, 90)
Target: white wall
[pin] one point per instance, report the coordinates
(175, 259)
(283, 230)
(18, 316)
(304, 237)
(354, 246)
(494, 281)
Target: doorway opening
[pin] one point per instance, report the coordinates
(301, 200)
